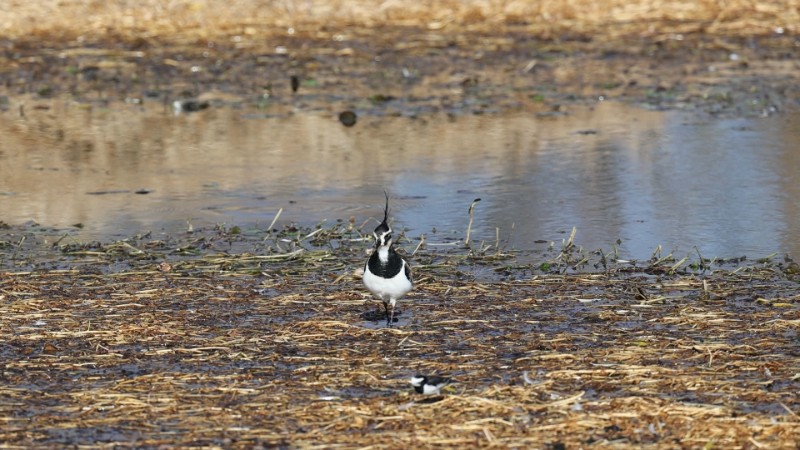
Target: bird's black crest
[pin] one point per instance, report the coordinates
(384, 226)
(386, 209)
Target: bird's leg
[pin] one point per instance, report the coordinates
(391, 316)
(386, 310)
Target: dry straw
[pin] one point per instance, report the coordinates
(146, 19)
(240, 350)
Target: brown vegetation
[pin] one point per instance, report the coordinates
(273, 349)
(91, 20)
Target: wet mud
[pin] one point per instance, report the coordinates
(411, 71)
(239, 340)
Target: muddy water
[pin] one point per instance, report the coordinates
(616, 172)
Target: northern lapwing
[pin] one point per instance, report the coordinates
(386, 274)
(429, 385)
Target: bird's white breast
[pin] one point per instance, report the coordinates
(429, 389)
(388, 289)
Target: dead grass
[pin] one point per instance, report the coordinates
(723, 57)
(89, 20)
(243, 350)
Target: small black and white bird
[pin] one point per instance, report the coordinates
(429, 385)
(386, 274)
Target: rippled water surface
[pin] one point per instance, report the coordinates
(615, 172)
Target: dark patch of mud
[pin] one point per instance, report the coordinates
(413, 71)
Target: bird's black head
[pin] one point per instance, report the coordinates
(418, 381)
(383, 233)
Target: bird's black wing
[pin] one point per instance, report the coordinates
(439, 381)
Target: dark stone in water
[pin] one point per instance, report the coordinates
(348, 118)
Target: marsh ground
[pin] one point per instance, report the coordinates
(242, 338)
(733, 58)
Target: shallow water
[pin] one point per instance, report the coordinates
(615, 172)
